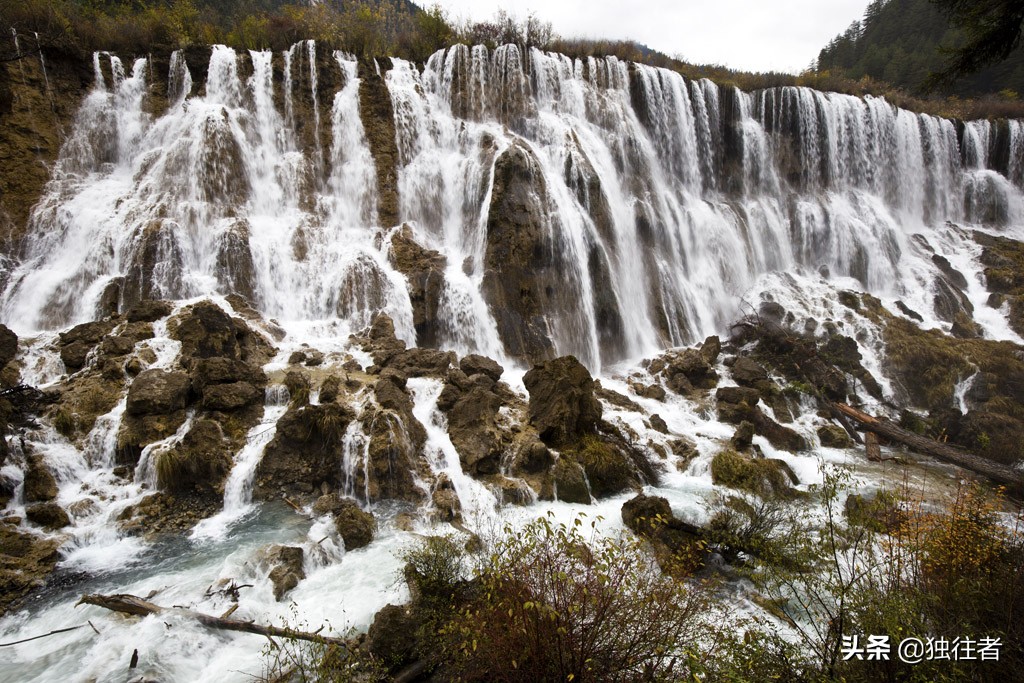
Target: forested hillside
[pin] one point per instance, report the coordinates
(899, 41)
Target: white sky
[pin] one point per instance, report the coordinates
(752, 35)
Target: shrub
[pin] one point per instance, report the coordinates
(552, 605)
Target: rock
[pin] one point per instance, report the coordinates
(116, 345)
(833, 436)
(678, 547)
(198, 464)
(743, 437)
(389, 637)
(329, 389)
(418, 362)
(964, 327)
(207, 371)
(747, 373)
(149, 310)
(354, 525)
(522, 268)
(396, 443)
(40, 485)
(314, 358)
(771, 311)
(514, 492)
(298, 387)
(306, 450)
(779, 436)
(297, 358)
(206, 331)
(608, 470)
(77, 342)
(562, 404)
(692, 366)
(25, 560)
(615, 398)
(658, 424)
(157, 392)
(286, 570)
(737, 395)
(424, 269)
(570, 482)
(473, 429)
(474, 364)
(234, 265)
(763, 476)
(651, 391)
(155, 263)
(447, 503)
(534, 457)
(8, 345)
(230, 396)
(48, 515)
(710, 349)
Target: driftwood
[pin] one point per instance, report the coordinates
(131, 604)
(999, 473)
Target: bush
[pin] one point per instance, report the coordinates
(552, 605)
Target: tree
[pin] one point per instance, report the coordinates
(992, 29)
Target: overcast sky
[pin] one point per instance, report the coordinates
(752, 35)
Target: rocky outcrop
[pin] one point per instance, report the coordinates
(305, 451)
(235, 270)
(690, 369)
(562, 403)
(40, 484)
(377, 114)
(424, 269)
(156, 264)
(521, 271)
(76, 343)
(206, 331)
(766, 477)
(198, 464)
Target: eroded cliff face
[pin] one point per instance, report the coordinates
(39, 97)
(398, 295)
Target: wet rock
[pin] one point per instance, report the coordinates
(710, 349)
(206, 331)
(677, 545)
(48, 515)
(25, 560)
(658, 423)
(964, 327)
(116, 345)
(418, 362)
(8, 345)
(285, 568)
(149, 310)
(164, 512)
(562, 404)
(40, 484)
(747, 372)
(570, 482)
(651, 391)
(198, 464)
(157, 392)
(609, 470)
(474, 364)
(473, 429)
(910, 313)
(833, 436)
(76, 343)
(380, 340)
(424, 269)
(396, 442)
(690, 368)
(355, 526)
(230, 396)
(210, 371)
(298, 387)
(314, 358)
(615, 398)
(534, 457)
(305, 451)
(446, 501)
(743, 438)
(155, 264)
(329, 389)
(235, 269)
(523, 272)
(388, 638)
(514, 492)
(762, 476)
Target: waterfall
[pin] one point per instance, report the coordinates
(652, 203)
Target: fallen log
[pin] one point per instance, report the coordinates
(136, 606)
(997, 472)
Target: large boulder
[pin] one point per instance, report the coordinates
(306, 451)
(25, 561)
(473, 429)
(50, 516)
(157, 392)
(562, 403)
(40, 484)
(206, 331)
(677, 545)
(76, 343)
(354, 525)
(198, 464)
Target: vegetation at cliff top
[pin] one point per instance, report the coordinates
(402, 29)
